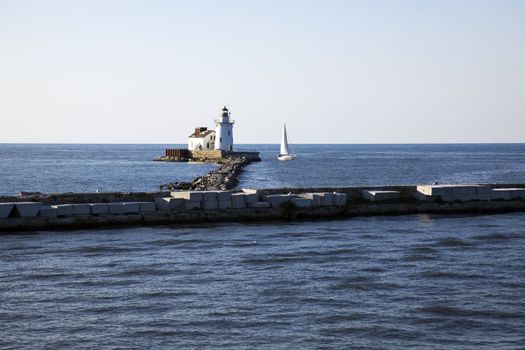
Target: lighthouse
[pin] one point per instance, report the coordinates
(224, 131)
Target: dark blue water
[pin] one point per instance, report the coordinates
(366, 283)
(86, 168)
(370, 283)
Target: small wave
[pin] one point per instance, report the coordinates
(374, 269)
(104, 249)
(492, 237)
(423, 249)
(175, 242)
(443, 310)
(142, 271)
(452, 242)
(364, 283)
(449, 274)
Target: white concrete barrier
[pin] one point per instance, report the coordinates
(5, 209)
(99, 208)
(64, 209)
(192, 196)
(378, 196)
(249, 190)
(451, 193)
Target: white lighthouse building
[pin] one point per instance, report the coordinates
(224, 131)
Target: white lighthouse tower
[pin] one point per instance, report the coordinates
(224, 131)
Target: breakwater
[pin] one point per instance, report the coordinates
(225, 177)
(179, 207)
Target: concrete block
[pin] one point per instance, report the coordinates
(314, 197)
(65, 209)
(238, 201)
(99, 208)
(465, 189)
(483, 190)
(5, 209)
(147, 207)
(27, 209)
(210, 204)
(422, 197)
(131, 207)
(276, 200)
(340, 199)
(302, 202)
(378, 196)
(259, 205)
(191, 205)
(82, 209)
(251, 197)
(224, 195)
(169, 204)
(508, 193)
(327, 198)
(116, 208)
(227, 204)
(49, 212)
(209, 195)
(249, 190)
(192, 196)
(516, 193)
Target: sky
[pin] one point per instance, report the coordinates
(370, 71)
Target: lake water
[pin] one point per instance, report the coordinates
(86, 168)
(433, 282)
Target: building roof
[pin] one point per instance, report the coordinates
(201, 134)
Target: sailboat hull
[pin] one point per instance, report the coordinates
(286, 157)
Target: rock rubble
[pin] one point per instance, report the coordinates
(226, 177)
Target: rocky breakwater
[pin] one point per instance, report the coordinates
(225, 177)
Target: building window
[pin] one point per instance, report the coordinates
(220, 140)
(208, 145)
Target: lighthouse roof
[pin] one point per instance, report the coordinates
(201, 134)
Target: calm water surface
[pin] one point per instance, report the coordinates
(392, 282)
(365, 283)
(86, 168)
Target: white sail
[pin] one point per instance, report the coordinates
(284, 143)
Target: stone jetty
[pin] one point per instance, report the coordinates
(225, 177)
(72, 211)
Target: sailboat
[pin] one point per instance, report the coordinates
(285, 154)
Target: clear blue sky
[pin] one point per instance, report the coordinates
(334, 71)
